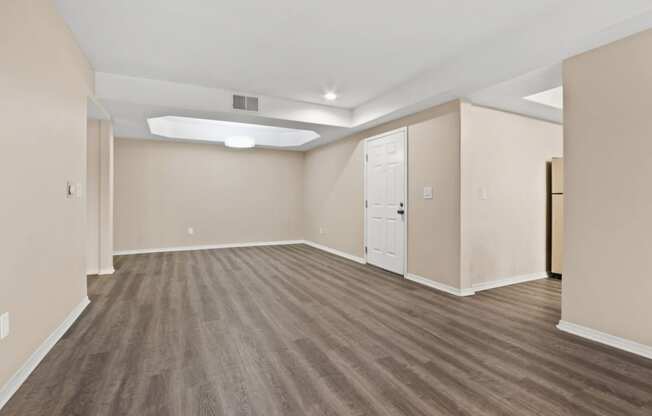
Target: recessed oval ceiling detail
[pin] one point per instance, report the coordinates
(174, 127)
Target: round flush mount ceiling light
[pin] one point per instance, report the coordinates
(240, 142)
(330, 96)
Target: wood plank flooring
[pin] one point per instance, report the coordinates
(292, 330)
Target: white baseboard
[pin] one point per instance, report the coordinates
(607, 339)
(236, 245)
(336, 252)
(207, 247)
(102, 272)
(439, 286)
(507, 281)
(14, 383)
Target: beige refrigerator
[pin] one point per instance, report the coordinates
(557, 190)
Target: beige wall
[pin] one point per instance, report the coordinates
(99, 197)
(607, 283)
(107, 144)
(226, 195)
(45, 80)
(434, 224)
(93, 197)
(502, 237)
(506, 155)
(334, 193)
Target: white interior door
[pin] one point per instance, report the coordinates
(386, 209)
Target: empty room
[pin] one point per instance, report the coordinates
(325, 208)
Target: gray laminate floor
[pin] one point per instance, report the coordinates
(295, 331)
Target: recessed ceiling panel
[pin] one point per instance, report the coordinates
(197, 129)
(513, 95)
(552, 98)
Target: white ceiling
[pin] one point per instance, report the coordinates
(553, 97)
(384, 59)
(513, 95)
(287, 48)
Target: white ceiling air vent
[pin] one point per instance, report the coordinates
(240, 102)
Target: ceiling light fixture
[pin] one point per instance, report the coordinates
(240, 142)
(330, 96)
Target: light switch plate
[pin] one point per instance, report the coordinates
(4, 325)
(427, 192)
(191, 231)
(483, 193)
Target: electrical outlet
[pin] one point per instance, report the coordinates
(427, 192)
(322, 230)
(4, 325)
(191, 231)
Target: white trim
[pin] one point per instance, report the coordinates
(336, 252)
(507, 281)
(439, 286)
(607, 339)
(406, 217)
(103, 272)
(364, 200)
(19, 377)
(207, 247)
(403, 130)
(236, 245)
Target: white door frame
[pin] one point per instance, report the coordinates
(403, 130)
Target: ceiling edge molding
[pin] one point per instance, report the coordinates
(508, 56)
(128, 89)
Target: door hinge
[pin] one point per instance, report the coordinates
(366, 157)
(366, 204)
(365, 249)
